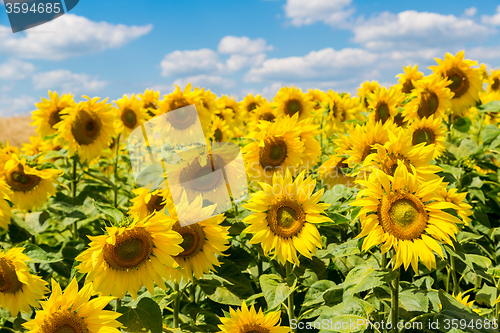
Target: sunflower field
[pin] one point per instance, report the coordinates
(376, 212)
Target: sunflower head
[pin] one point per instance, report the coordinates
(150, 100)
(366, 89)
(289, 101)
(431, 131)
(251, 102)
(383, 103)
(49, 113)
(130, 113)
(248, 320)
(406, 79)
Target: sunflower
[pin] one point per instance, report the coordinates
(48, 113)
(308, 133)
(247, 320)
(87, 128)
(340, 110)
(130, 257)
(130, 113)
(34, 147)
(277, 148)
(262, 113)
(401, 213)
(30, 186)
(148, 202)
(229, 109)
(431, 97)
(363, 139)
(334, 172)
(289, 101)
(203, 238)
(494, 83)
(398, 148)
(251, 102)
(366, 89)
(465, 301)
(464, 209)
(383, 103)
(465, 81)
(74, 311)
(219, 131)
(207, 102)
(149, 101)
(284, 218)
(319, 98)
(19, 289)
(5, 210)
(406, 80)
(431, 131)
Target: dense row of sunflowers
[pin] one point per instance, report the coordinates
(344, 191)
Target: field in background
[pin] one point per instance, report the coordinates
(16, 130)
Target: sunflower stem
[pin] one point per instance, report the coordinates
(74, 183)
(118, 304)
(395, 302)
(454, 275)
(177, 304)
(497, 307)
(291, 307)
(192, 292)
(115, 188)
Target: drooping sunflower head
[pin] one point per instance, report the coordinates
(74, 311)
(130, 113)
(334, 172)
(289, 101)
(452, 195)
(277, 148)
(149, 101)
(19, 289)
(284, 217)
(464, 80)
(31, 187)
(49, 112)
(366, 89)
(148, 202)
(402, 213)
(341, 108)
(34, 147)
(383, 103)
(431, 131)
(363, 139)
(431, 97)
(494, 82)
(248, 320)
(406, 79)
(129, 257)
(87, 128)
(318, 97)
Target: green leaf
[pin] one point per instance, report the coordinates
(339, 250)
(486, 296)
(453, 309)
(38, 255)
(414, 300)
(275, 290)
(38, 221)
(493, 106)
(315, 293)
(145, 317)
(350, 310)
(489, 133)
(362, 278)
(462, 124)
(219, 290)
(113, 213)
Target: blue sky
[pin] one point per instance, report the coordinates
(108, 48)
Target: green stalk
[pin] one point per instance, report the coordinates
(497, 307)
(177, 305)
(118, 304)
(115, 189)
(454, 275)
(74, 183)
(192, 292)
(291, 307)
(395, 302)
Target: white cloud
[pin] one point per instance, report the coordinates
(332, 12)
(411, 29)
(10, 106)
(324, 64)
(65, 81)
(243, 45)
(208, 81)
(470, 11)
(14, 69)
(237, 62)
(494, 19)
(190, 62)
(68, 36)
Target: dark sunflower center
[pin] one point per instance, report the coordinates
(155, 204)
(424, 135)
(131, 249)
(150, 105)
(391, 163)
(202, 178)
(459, 81)
(193, 239)
(178, 103)
(292, 107)
(86, 127)
(182, 119)
(286, 218)
(369, 149)
(253, 328)
(129, 118)
(400, 120)
(407, 87)
(252, 106)
(19, 181)
(218, 135)
(496, 84)
(273, 154)
(429, 103)
(64, 321)
(9, 283)
(403, 215)
(382, 112)
(268, 116)
(54, 117)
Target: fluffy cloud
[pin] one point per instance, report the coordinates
(243, 45)
(411, 29)
(14, 69)
(209, 81)
(16, 105)
(65, 81)
(494, 19)
(323, 64)
(190, 62)
(68, 36)
(331, 12)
